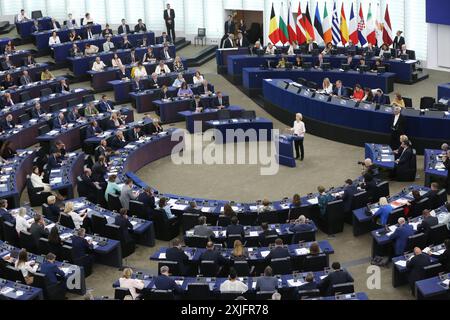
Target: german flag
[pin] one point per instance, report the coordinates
(274, 34)
(309, 29)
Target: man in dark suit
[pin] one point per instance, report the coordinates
(220, 101)
(73, 115)
(349, 191)
(278, 252)
(230, 26)
(60, 121)
(53, 161)
(148, 200)
(164, 38)
(5, 213)
(99, 171)
(337, 276)
(444, 258)
(8, 123)
(266, 232)
(107, 31)
(310, 284)
(433, 196)
(91, 186)
(398, 128)
(50, 269)
(25, 78)
(140, 27)
(118, 142)
(267, 283)
(229, 42)
(415, 267)
(399, 40)
(29, 60)
(403, 163)
(213, 255)
(165, 53)
(242, 41)
(124, 28)
(176, 254)
(428, 221)
(82, 249)
(169, 18)
(164, 282)
(197, 104)
(400, 236)
(126, 44)
(104, 105)
(101, 149)
(37, 229)
(124, 225)
(135, 134)
(153, 82)
(36, 111)
(339, 90)
(63, 86)
(380, 98)
(93, 130)
(235, 228)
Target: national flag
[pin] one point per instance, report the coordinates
(370, 27)
(327, 33)
(344, 27)
(361, 28)
(318, 26)
(291, 25)
(379, 26)
(387, 30)
(300, 27)
(284, 34)
(353, 27)
(274, 34)
(336, 27)
(308, 25)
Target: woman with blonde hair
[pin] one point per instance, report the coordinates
(383, 211)
(178, 65)
(239, 253)
(78, 219)
(398, 101)
(21, 222)
(26, 267)
(327, 87)
(131, 284)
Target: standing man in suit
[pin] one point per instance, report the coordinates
(230, 26)
(124, 225)
(401, 235)
(415, 267)
(176, 253)
(398, 128)
(127, 194)
(124, 28)
(169, 17)
(278, 252)
(242, 41)
(337, 276)
(349, 191)
(399, 40)
(403, 163)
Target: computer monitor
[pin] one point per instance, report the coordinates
(334, 52)
(364, 68)
(278, 51)
(404, 57)
(387, 55)
(440, 107)
(381, 69)
(260, 52)
(307, 65)
(326, 66)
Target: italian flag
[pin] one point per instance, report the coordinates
(370, 26)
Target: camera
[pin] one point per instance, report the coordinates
(361, 163)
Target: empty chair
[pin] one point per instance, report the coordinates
(427, 102)
(417, 240)
(437, 234)
(247, 218)
(137, 209)
(114, 203)
(267, 241)
(281, 266)
(382, 191)
(189, 221)
(198, 291)
(248, 114)
(196, 241)
(121, 293)
(43, 129)
(306, 236)
(408, 102)
(442, 198)
(37, 14)
(74, 102)
(209, 268)
(25, 96)
(66, 220)
(270, 217)
(46, 92)
(27, 242)
(308, 294)
(23, 118)
(312, 85)
(242, 268)
(55, 107)
(55, 291)
(165, 229)
(333, 220)
(10, 233)
(315, 263)
(13, 274)
(98, 223)
(343, 288)
(223, 114)
(395, 215)
(162, 295)
(44, 248)
(128, 245)
(432, 270)
(296, 212)
(302, 81)
(37, 196)
(417, 208)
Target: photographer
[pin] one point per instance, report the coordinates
(368, 168)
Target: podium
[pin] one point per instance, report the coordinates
(285, 150)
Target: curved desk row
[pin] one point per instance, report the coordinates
(123, 88)
(34, 71)
(81, 65)
(143, 230)
(345, 121)
(33, 89)
(64, 178)
(403, 70)
(101, 80)
(54, 99)
(24, 27)
(68, 269)
(434, 166)
(207, 115)
(13, 177)
(23, 135)
(253, 78)
(61, 51)
(16, 58)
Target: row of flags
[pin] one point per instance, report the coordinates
(334, 27)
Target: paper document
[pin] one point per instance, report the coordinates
(302, 251)
(254, 233)
(264, 253)
(162, 255)
(293, 283)
(313, 201)
(401, 263)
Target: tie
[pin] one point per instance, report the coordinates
(220, 101)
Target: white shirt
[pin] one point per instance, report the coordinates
(108, 46)
(299, 128)
(132, 285)
(158, 70)
(327, 90)
(396, 119)
(21, 17)
(167, 54)
(291, 50)
(116, 63)
(168, 13)
(77, 220)
(198, 80)
(26, 268)
(233, 286)
(36, 181)
(140, 72)
(54, 40)
(98, 66)
(270, 51)
(22, 224)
